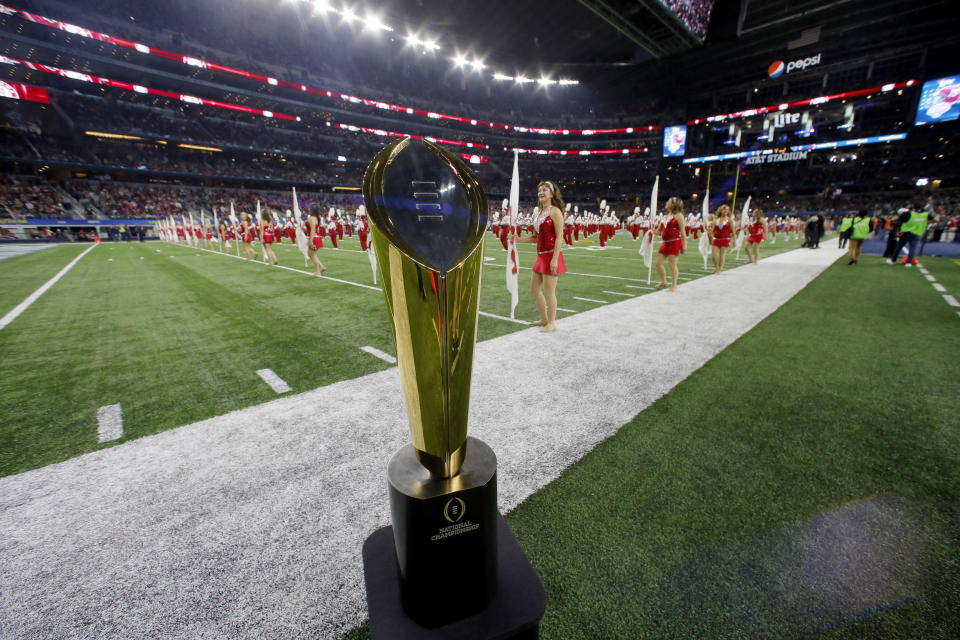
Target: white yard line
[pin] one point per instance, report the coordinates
(23, 306)
(493, 315)
(274, 381)
(930, 278)
(567, 310)
(637, 286)
(618, 293)
(280, 266)
(109, 423)
(951, 300)
(380, 354)
(590, 300)
(251, 524)
(939, 287)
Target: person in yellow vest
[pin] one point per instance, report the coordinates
(860, 227)
(913, 224)
(846, 226)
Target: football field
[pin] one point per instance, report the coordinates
(769, 453)
(174, 334)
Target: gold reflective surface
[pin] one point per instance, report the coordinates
(434, 320)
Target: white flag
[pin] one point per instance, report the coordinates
(373, 261)
(303, 242)
(704, 245)
(513, 259)
(744, 219)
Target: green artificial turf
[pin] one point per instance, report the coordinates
(804, 482)
(175, 334)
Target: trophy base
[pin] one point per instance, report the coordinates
(445, 531)
(513, 614)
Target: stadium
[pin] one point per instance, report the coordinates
(198, 421)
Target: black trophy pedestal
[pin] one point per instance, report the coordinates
(445, 531)
(514, 613)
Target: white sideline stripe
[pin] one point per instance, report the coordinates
(618, 293)
(492, 315)
(637, 286)
(924, 271)
(280, 266)
(276, 382)
(380, 354)
(20, 308)
(567, 310)
(939, 287)
(590, 300)
(951, 300)
(109, 423)
(930, 278)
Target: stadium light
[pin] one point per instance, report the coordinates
(321, 6)
(431, 45)
(544, 81)
(459, 60)
(373, 22)
(348, 14)
(478, 65)
(500, 76)
(413, 39)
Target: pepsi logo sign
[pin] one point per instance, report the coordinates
(777, 68)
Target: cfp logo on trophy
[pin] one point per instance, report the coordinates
(427, 198)
(454, 509)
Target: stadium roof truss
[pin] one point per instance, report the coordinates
(648, 23)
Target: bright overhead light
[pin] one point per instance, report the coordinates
(431, 45)
(478, 65)
(348, 14)
(500, 76)
(321, 5)
(544, 81)
(522, 79)
(459, 59)
(413, 39)
(375, 23)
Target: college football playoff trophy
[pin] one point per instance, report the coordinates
(428, 214)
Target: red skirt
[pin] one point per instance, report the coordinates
(542, 264)
(671, 247)
(721, 242)
(317, 242)
(755, 239)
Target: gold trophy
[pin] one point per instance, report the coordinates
(428, 215)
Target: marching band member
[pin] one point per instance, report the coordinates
(332, 230)
(362, 230)
(674, 243)
(568, 227)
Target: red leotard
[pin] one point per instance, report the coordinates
(672, 243)
(756, 232)
(722, 234)
(546, 241)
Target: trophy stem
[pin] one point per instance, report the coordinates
(448, 463)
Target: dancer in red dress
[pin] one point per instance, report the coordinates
(674, 243)
(314, 227)
(268, 235)
(720, 233)
(758, 230)
(548, 226)
(248, 233)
